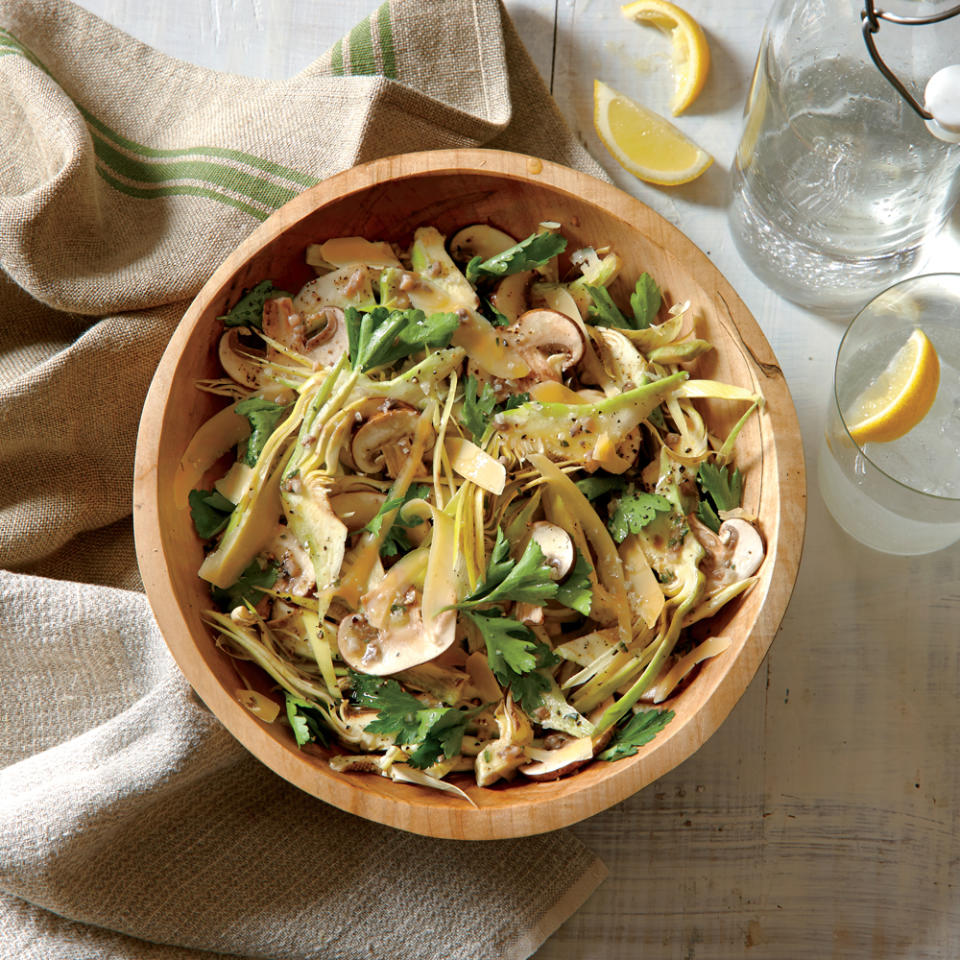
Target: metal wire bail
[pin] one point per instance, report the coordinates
(870, 19)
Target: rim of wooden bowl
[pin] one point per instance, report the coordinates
(518, 809)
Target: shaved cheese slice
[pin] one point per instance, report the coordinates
(605, 454)
(235, 482)
(474, 464)
(665, 686)
(343, 251)
(482, 343)
(645, 596)
(482, 678)
(259, 705)
(549, 391)
(558, 298)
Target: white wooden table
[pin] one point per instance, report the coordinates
(822, 819)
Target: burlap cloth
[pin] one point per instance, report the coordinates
(131, 824)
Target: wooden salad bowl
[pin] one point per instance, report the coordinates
(386, 200)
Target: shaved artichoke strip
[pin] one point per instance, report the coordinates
(710, 648)
(619, 709)
(441, 462)
(712, 603)
(609, 567)
(723, 454)
(292, 680)
(354, 581)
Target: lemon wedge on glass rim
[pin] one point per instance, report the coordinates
(691, 53)
(900, 397)
(643, 142)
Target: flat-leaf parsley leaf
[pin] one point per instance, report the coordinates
(641, 728)
(248, 310)
(210, 511)
(633, 512)
(535, 251)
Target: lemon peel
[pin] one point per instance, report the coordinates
(691, 52)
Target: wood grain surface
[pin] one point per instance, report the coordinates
(821, 820)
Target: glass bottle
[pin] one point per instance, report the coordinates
(838, 182)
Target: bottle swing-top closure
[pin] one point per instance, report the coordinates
(941, 106)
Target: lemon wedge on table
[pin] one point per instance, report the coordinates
(691, 53)
(643, 142)
(900, 397)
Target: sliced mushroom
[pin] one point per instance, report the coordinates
(238, 366)
(296, 573)
(479, 240)
(528, 613)
(550, 342)
(287, 327)
(390, 633)
(557, 547)
(282, 323)
(731, 555)
(743, 539)
(407, 641)
(385, 440)
(346, 286)
(328, 345)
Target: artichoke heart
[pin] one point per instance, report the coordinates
(571, 431)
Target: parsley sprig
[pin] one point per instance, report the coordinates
(722, 489)
(526, 580)
(264, 415)
(383, 336)
(396, 540)
(437, 731)
(514, 655)
(306, 721)
(634, 511)
(480, 408)
(210, 511)
(248, 310)
(535, 251)
(247, 587)
(576, 591)
(644, 303)
(641, 728)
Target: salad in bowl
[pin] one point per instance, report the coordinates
(464, 509)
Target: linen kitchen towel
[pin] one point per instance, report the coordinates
(131, 824)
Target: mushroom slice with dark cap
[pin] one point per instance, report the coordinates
(385, 440)
(550, 342)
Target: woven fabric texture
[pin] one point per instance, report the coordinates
(132, 825)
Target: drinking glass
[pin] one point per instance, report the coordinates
(902, 496)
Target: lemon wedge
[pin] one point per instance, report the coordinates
(899, 398)
(691, 53)
(643, 142)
